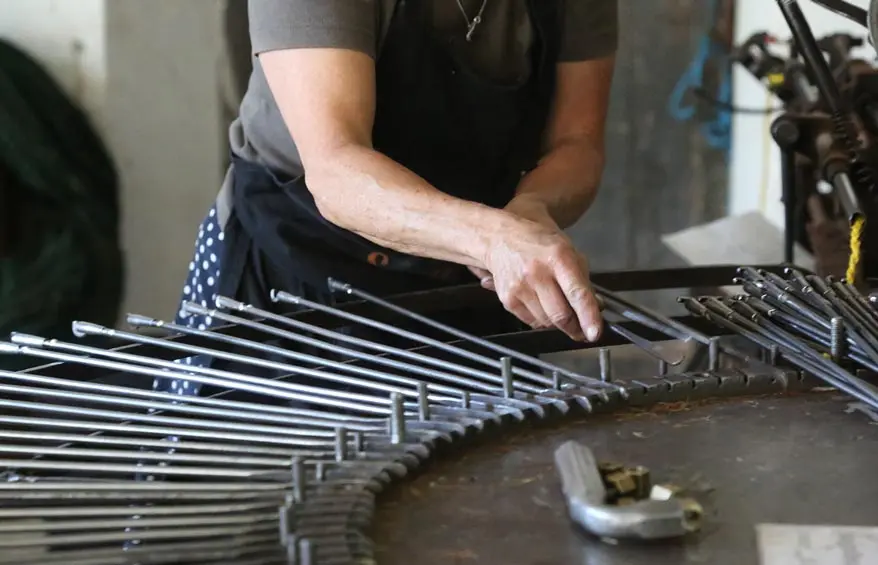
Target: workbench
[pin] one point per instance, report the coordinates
(456, 468)
(796, 459)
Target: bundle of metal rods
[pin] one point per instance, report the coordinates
(100, 474)
(822, 326)
(282, 465)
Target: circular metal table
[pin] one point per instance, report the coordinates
(795, 459)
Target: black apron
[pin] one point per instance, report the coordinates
(466, 136)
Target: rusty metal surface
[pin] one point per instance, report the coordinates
(789, 459)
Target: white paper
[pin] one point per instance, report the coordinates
(781, 544)
(746, 239)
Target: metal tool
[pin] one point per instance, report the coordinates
(646, 519)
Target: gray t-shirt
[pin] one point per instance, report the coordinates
(498, 51)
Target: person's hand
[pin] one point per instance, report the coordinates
(541, 279)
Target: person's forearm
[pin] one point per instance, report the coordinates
(563, 185)
(365, 192)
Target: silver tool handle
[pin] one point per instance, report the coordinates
(585, 493)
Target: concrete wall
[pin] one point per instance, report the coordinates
(67, 37)
(755, 182)
(151, 75)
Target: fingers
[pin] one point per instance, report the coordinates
(520, 299)
(572, 277)
(522, 312)
(558, 310)
(486, 279)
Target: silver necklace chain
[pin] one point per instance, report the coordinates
(471, 25)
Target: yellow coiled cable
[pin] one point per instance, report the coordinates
(856, 244)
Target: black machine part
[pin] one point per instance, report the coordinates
(829, 131)
(849, 11)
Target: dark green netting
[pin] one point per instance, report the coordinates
(60, 210)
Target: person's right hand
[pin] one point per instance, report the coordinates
(542, 279)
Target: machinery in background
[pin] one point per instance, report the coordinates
(826, 131)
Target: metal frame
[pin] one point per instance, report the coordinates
(247, 481)
(533, 342)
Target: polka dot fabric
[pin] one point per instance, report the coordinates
(200, 288)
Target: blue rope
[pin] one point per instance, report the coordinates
(717, 132)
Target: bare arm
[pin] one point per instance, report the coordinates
(564, 184)
(327, 99)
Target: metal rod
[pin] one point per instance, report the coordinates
(144, 535)
(275, 489)
(811, 53)
(423, 403)
(168, 403)
(114, 468)
(291, 437)
(796, 352)
(508, 374)
(819, 370)
(505, 351)
(605, 364)
(713, 354)
(293, 416)
(312, 394)
(837, 339)
(280, 296)
(341, 444)
(300, 356)
(83, 398)
(170, 456)
(647, 346)
(87, 328)
(126, 510)
(397, 420)
(224, 302)
(161, 431)
(140, 442)
(648, 317)
(53, 526)
(481, 376)
(299, 480)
